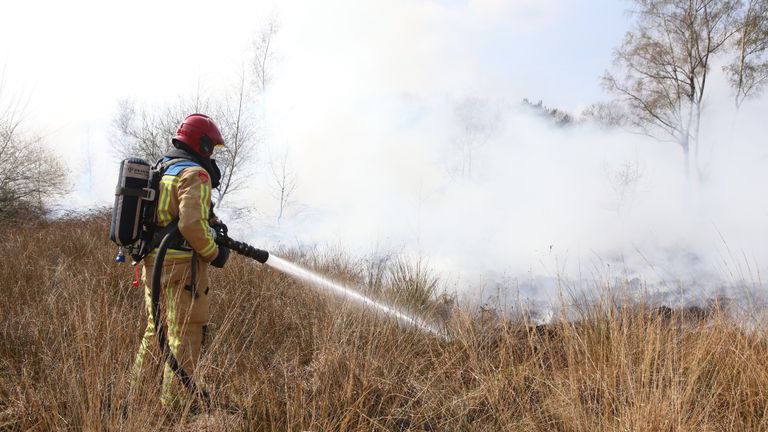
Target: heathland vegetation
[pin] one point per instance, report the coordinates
(283, 357)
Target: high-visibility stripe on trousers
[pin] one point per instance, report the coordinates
(186, 313)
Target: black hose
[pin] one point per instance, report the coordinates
(173, 234)
(162, 339)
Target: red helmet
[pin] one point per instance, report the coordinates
(199, 133)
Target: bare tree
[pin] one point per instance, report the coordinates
(664, 65)
(559, 116)
(30, 173)
(477, 120)
(147, 132)
(748, 72)
(263, 54)
(606, 114)
(284, 184)
(624, 180)
(237, 117)
(284, 180)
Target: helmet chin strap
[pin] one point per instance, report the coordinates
(206, 145)
(215, 173)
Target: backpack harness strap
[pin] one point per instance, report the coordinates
(145, 194)
(172, 167)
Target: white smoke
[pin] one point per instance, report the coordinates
(412, 161)
(575, 202)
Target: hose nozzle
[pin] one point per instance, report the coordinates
(243, 248)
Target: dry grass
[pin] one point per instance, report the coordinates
(294, 360)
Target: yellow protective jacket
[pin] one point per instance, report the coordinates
(186, 194)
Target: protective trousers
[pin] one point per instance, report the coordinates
(185, 309)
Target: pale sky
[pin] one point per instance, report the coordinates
(73, 60)
(70, 62)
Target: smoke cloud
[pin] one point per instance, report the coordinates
(494, 196)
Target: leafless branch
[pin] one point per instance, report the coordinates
(284, 184)
(263, 54)
(663, 65)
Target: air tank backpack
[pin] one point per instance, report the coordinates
(133, 214)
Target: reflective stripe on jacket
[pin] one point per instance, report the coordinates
(185, 193)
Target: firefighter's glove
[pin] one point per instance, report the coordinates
(217, 227)
(221, 258)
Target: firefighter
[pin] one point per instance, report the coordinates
(184, 197)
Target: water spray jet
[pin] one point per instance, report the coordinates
(353, 295)
(326, 284)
